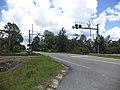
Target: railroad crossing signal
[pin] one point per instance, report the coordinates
(79, 26)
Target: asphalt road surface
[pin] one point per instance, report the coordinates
(89, 72)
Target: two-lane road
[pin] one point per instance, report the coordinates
(89, 72)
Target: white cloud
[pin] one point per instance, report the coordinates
(101, 20)
(117, 6)
(114, 13)
(38, 12)
(2, 25)
(114, 33)
(55, 14)
(110, 15)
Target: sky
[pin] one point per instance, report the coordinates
(54, 14)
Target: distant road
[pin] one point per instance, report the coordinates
(89, 72)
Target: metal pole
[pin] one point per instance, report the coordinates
(9, 40)
(29, 41)
(0, 41)
(90, 33)
(32, 31)
(90, 28)
(97, 39)
(32, 36)
(97, 29)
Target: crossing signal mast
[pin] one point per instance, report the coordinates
(79, 26)
(31, 34)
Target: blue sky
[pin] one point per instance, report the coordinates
(2, 5)
(36, 11)
(103, 5)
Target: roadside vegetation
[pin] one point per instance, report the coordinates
(107, 56)
(11, 39)
(37, 71)
(78, 44)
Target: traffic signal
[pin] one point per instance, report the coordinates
(76, 26)
(80, 26)
(73, 27)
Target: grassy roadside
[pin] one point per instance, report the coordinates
(106, 56)
(38, 70)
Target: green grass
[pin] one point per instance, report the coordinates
(106, 56)
(22, 52)
(15, 53)
(38, 70)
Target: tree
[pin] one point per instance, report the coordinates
(13, 36)
(114, 47)
(62, 41)
(35, 44)
(49, 39)
(76, 36)
(104, 43)
(90, 45)
(2, 40)
(83, 38)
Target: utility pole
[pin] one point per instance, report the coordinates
(79, 26)
(30, 39)
(89, 25)
(98, 50)
(29, 42)
(0, 40)
(32, 36)
(9, 40)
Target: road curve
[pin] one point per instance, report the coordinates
(89, 72)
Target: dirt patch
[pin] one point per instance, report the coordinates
(9, 65)
(11, 62)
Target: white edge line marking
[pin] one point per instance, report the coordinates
(108, 62)
(70, 62)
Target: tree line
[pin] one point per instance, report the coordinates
(11, 38)
(78, 44)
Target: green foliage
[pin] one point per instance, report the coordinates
(79, 43)
(36, 71)
(62, 41)
(11, 38)
(16, 48)
(107, 55)
(35, 44)
(114, 47)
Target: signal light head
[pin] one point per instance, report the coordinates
(80, 26)
(76, 26)
(73, 27)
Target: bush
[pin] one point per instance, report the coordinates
(16, 48)
(81, 50)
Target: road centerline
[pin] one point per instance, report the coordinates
(71, 62)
